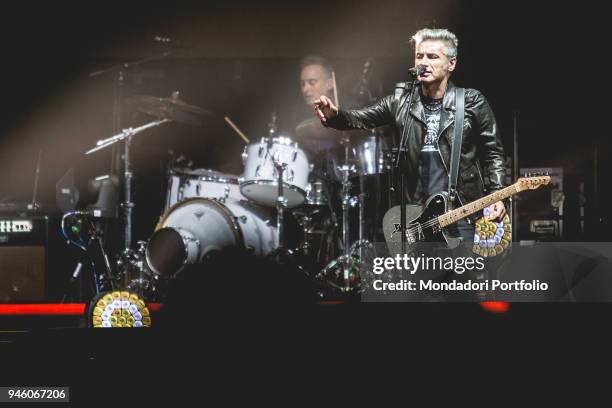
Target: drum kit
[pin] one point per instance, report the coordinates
(284, 205)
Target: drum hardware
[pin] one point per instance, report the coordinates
(226, 192)
(133, 273)
(316, 194)
(81, 231)
(172, 108)
(346, 273)
(362, 240)
(343, 272)
(166, 110)
(281, 201)
(127, 65)
(128, 204)
(119, 74)
(317, 224)
(305, 220)
(367, 158)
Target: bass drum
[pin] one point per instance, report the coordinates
(191, 229)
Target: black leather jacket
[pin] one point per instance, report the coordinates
(482, 152)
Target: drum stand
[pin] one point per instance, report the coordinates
(281, 253)
(344, 273)
(281, 201)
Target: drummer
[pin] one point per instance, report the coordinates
(326, 150)
(317, 79)
(320, 144)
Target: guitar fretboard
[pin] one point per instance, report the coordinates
(453, 216)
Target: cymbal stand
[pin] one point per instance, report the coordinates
(127, 204)
(119, 73)
(345, 263)
(281, 201)
(362, 241)
(347, 200)
(127, 255)
(361, 204)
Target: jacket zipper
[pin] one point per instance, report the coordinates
(480, 176)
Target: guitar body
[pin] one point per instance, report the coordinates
(425, 224)
(419, 220)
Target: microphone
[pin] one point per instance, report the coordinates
(418, 70)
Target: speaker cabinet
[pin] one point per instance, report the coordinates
(23, 259)
(22, 274)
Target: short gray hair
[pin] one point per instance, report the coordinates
(442, 34)
(317, 60)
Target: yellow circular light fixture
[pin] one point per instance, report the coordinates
(119, 309)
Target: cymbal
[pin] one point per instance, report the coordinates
(312, 131)
(172, 108)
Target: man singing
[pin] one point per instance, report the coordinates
(429, 137)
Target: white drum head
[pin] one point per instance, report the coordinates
(266, 193)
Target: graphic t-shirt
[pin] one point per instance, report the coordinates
(433, 177)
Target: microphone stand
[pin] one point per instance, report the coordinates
(401, 165)
(35, 205)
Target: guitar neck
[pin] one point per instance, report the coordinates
(455, 215)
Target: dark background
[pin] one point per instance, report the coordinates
(546, 62)
(240, 59)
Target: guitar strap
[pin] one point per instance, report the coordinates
(457, 139)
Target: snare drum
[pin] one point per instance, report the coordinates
(186, 183)
(261, 177)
